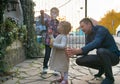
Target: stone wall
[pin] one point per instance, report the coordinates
(15, 53)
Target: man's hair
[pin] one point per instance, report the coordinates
(86, 21)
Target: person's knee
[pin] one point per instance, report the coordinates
(100, 50)
(78, 61)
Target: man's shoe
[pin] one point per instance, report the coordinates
(96, 80)
(108, 81)
(64, 82)
(60, 80)
(100, 73)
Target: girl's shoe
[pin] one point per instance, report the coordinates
(55, 73)
(60, 80)
(64, 82)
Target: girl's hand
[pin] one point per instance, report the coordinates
(72, 51)
(51, 42)
(68, 52)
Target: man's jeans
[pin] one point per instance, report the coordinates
(103, 59)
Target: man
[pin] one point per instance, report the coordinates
(107, 53)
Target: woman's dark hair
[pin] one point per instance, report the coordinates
(86, 21)
(42, 17)
(55, 8)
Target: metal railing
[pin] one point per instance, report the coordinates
(76, 40)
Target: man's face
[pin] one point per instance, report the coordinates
(86, 27)
(54, 14)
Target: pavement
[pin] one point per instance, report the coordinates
(29, 72)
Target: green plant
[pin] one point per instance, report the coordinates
(22, 34)
(3, 4)
(9, 32)
(4, 66)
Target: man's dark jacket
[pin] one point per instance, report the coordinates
(100, 37)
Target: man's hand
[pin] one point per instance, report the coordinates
(76, 51)
(72, 51)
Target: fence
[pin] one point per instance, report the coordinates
(76, 39)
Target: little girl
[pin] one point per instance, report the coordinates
(59, 61)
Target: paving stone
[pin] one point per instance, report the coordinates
(29, 72)
(77, 74)
(14, 81)
(117, 79)
(78, 82)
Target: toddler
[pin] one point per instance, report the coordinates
(58, 59)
